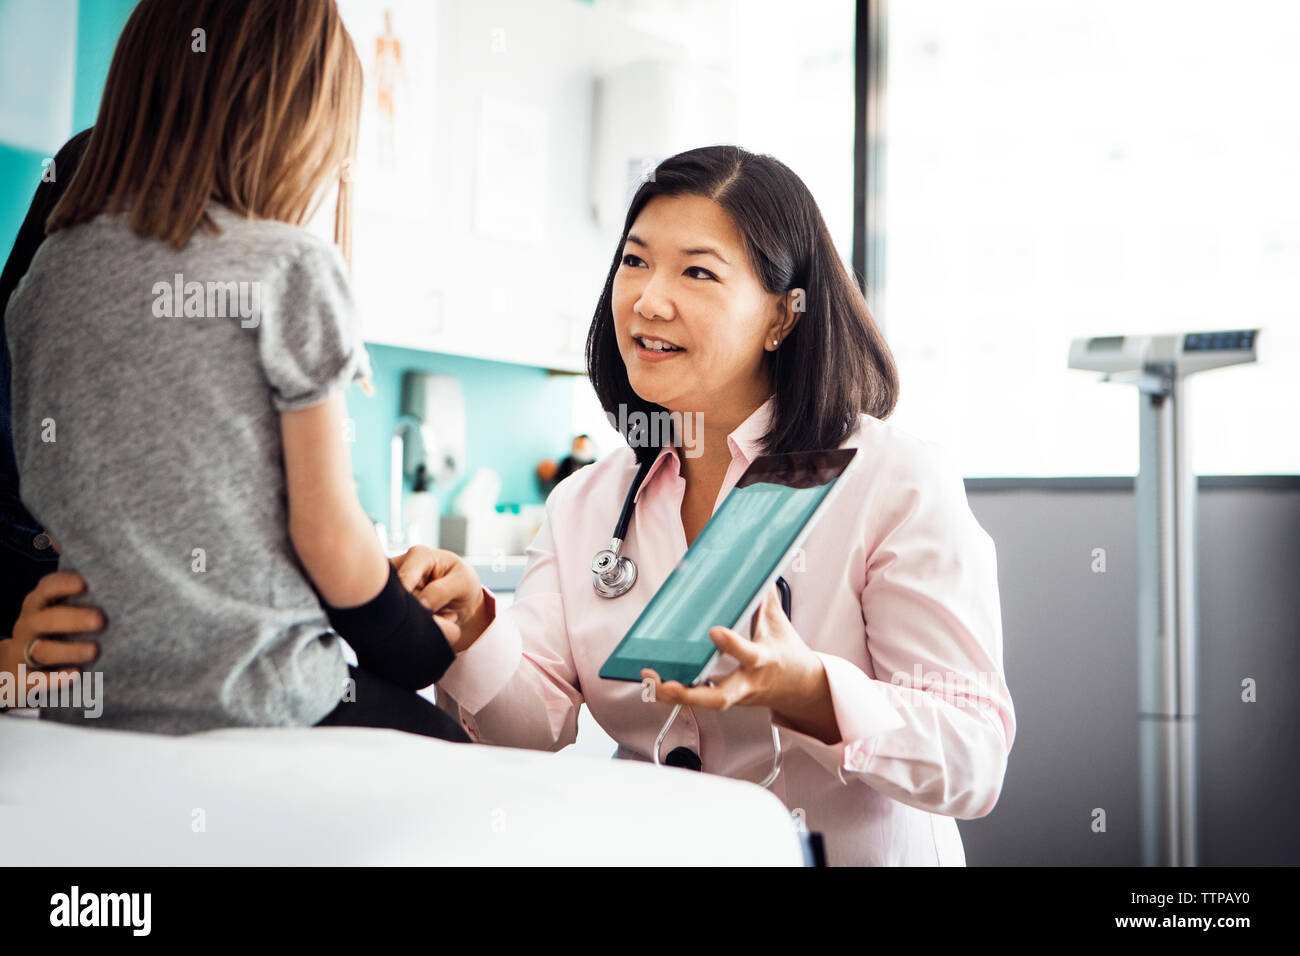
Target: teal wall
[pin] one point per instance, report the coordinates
(516, 415)
(99, 22)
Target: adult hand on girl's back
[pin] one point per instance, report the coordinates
(449, 587)
(38, 636)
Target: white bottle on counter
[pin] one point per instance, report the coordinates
(421, 511)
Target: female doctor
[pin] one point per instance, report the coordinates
(726, 302)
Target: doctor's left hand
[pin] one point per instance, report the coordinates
(777, 671)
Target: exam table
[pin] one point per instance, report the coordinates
(354, 796)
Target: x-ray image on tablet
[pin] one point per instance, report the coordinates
(722, 577)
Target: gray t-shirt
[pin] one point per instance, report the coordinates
(146, 425)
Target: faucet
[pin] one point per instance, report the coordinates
(406, 424)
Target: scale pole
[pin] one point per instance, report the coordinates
(1159, 365)
(1167, 640)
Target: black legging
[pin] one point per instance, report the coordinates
(381, 703)
(400, 649)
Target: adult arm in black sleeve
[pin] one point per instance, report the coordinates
(22, 563)
(32, 232)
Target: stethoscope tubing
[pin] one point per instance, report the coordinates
(613, 572)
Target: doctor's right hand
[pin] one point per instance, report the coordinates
(449, 587)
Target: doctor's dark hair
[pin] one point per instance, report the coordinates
(833, 366)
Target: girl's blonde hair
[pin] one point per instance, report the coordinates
(252, 104)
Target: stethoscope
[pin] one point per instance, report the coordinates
(615, 573)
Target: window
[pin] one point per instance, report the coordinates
(1089, 167)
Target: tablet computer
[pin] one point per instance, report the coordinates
(725, 573)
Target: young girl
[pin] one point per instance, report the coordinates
(180, 349)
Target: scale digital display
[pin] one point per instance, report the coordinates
(1219, 341)
(1106, 343)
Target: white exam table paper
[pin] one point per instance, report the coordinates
(353, 796)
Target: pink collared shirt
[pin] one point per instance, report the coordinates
(896, 591)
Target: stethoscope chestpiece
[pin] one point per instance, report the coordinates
(614, 575)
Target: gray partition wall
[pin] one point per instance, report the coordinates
(1071, 663)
